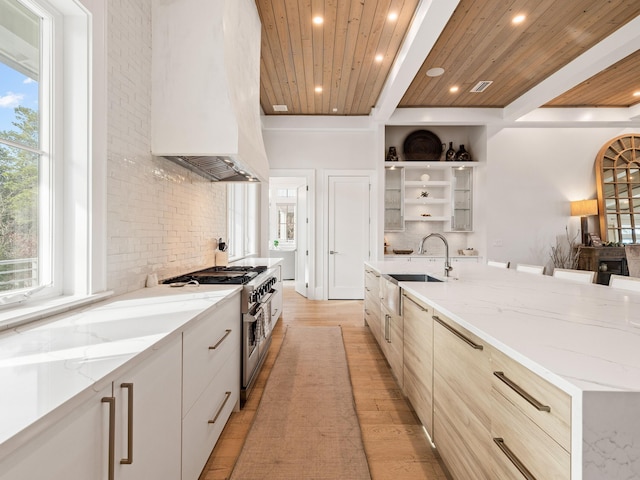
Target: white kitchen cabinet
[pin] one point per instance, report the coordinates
(75, 447)
(208, 346)
(78, 445)
(203, 424)
(461, 397)
(440, 192)
(393, 199)
(148, 421)
(211, 383)
(418, 358)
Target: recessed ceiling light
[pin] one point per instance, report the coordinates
(335, 109)
(636, 94)
(393, 16)
(318, 20)
(379, 58)
(518, 19)
(454, 89)
(435, 72)
(318, 89)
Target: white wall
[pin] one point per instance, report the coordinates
(160, 217)
(532, 175)
(320, 151)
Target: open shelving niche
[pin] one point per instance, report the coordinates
(450, 194)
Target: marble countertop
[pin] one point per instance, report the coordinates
(48, 368)
(582, 338)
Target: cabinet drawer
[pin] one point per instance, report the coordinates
(371, 281)
(199, 436)
(545, 404)
(207, 347)
(519, 444)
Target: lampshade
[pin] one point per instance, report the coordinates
(584, 208)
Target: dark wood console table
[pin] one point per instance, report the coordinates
(603, 260)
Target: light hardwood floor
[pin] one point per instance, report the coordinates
(394, 442)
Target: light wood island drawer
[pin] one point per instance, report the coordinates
(371, 281)
(545, 404)
(522, 450)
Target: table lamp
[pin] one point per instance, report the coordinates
(583, 209)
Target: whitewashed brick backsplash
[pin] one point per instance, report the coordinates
(162, 218)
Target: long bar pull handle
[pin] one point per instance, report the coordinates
(523, 393)
(514, 459)
(414, 302)
(387, 319)
(227, 395)
(462, 337)
(129, 459)
(112, 434)
(226, 334)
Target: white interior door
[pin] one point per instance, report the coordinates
(302, 234)
(348, 227)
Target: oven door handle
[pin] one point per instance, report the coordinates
(267, 297)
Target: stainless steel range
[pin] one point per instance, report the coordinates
(258, 289)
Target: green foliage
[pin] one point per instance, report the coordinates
(19, 188)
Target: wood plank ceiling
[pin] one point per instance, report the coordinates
(479, 43)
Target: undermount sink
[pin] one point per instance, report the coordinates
(412, 277)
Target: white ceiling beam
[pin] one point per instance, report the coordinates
(445, 116)
(620, 44)
(316, 122)
(430, 19)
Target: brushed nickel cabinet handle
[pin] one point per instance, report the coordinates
(462, 337)
(387, 322)
(523, 393)
(112, 434)
(513, 459)
(226, 334)
(367, 289)
(129, 459)
(414, 302)
(227, 395)
(366, 312)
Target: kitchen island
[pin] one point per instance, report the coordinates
(582, 339)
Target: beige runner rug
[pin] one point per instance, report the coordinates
(306, 425)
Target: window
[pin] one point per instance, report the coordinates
(25, 157)
(286, 223)
(242, 205)
(52, 191)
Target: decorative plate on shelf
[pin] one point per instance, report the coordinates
(422, 145)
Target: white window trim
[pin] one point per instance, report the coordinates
(82, 143)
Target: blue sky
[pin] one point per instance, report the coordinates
(15, 89)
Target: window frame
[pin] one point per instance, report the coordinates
(79, 160)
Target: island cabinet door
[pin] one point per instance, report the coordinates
(461, 393)
(393, 342)
(74, 447)
(372, 302)
(418, 358)
(148, 416)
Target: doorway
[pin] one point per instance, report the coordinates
(289, 229)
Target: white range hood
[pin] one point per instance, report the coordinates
(206, 86)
